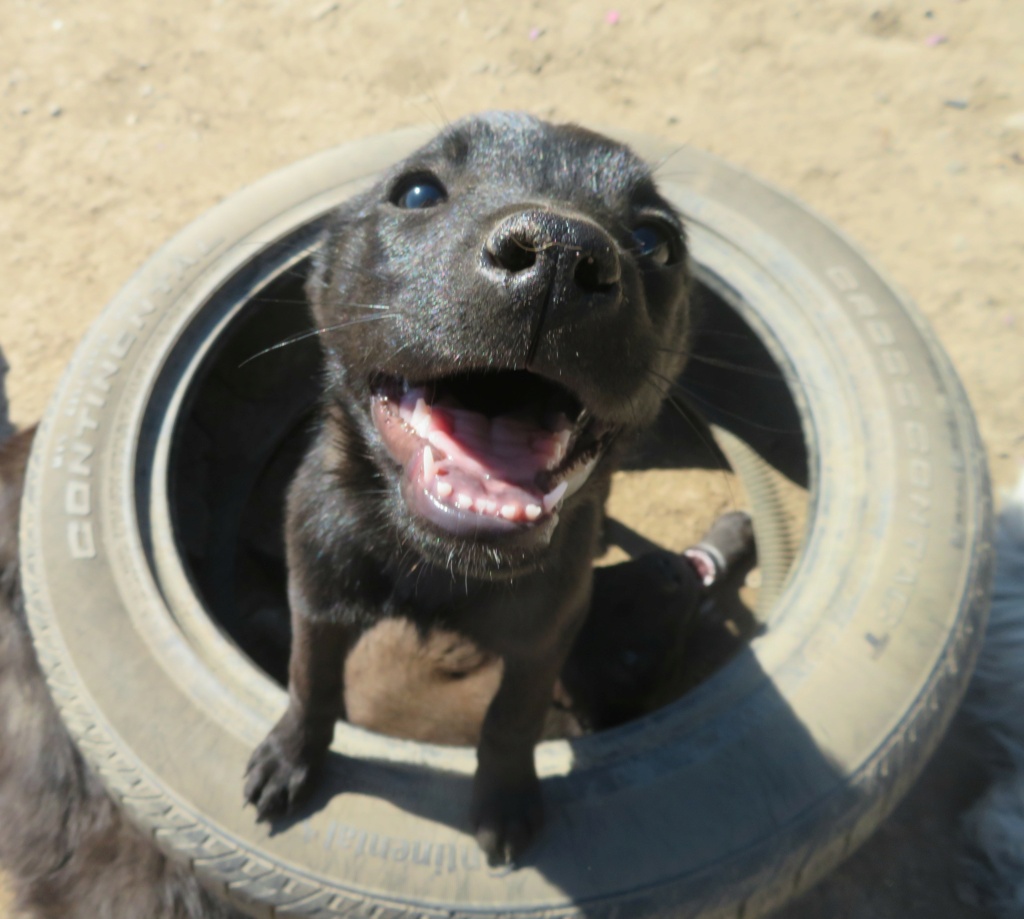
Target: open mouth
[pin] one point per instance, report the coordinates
(487, 452)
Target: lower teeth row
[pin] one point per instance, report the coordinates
(489, 506)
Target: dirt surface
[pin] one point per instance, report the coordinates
(903, 123)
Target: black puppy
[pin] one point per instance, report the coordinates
(499, 317)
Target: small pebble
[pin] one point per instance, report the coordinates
(535, 33)
(612, 17)
(955, 167)
(57, 25)
(933, 41)
(131, 118)
(956, 103)
(56, 111)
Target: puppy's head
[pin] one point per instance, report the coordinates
(500, 310)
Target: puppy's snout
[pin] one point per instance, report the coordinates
(569, 261)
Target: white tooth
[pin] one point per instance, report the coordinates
(486, 505)
(532, 511)
(578, 478)
(429, 464)
(444, 489)
(562, 438)
(555, 495)
(509, 511)
(420, 420)
(463, 502)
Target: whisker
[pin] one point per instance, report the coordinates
(712, 448)
(352, 268)
(290, 301)
(313, 333)
(690, 394)
(296, 301)
(543, 246)
(700, 332)
(727, 365)
(657, 169)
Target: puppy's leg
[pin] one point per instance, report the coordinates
(507, 810)
(281, 767)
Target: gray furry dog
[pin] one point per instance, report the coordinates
(994, 827)
(65, 844)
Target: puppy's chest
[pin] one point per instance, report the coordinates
(496, 616)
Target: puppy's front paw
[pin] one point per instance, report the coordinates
(279, 771)
(506, 815)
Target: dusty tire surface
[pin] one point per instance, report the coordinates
(723, 804)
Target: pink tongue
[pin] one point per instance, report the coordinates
(486, 465)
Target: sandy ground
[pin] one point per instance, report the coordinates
(901, 122)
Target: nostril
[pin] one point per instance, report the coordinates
(594, 274)
(588, 274)
(512, 253)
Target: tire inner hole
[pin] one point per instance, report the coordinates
(246, 425)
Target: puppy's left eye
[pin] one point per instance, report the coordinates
(653, 243)
(419, 194)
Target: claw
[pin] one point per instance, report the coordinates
(506, 820)
(274, 781)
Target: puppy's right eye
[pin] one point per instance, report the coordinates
(419, 194)
(653, 243)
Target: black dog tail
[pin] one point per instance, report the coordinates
(66, 850)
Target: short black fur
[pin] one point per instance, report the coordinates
(597, 306)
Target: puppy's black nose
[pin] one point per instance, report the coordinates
(567, 263)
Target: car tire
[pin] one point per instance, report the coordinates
(725, 803)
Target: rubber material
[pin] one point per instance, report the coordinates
(724, 804)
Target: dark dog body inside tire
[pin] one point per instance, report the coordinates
(722, 804)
